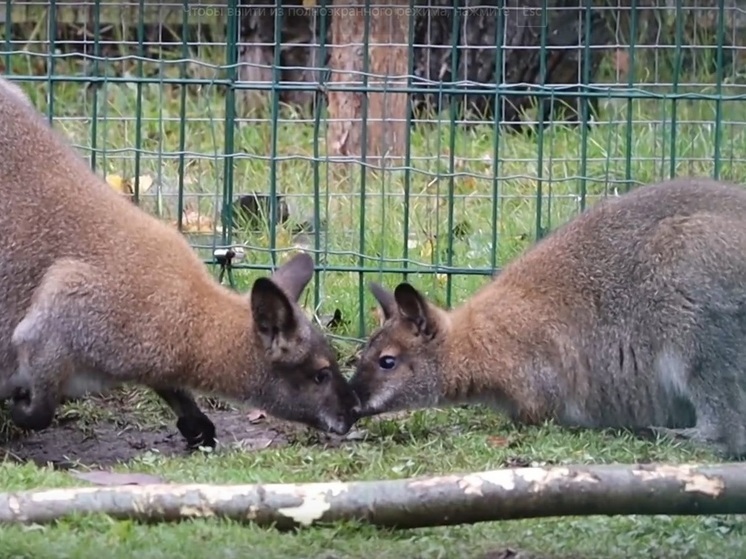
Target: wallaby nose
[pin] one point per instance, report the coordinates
(31, 415)
(342, 425)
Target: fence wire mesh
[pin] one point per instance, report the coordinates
(216, 117)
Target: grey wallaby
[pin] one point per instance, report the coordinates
(94, 293)
(632, 315)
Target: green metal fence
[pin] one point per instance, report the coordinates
(165, 98)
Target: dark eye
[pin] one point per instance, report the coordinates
(322, 376)
(387, 362)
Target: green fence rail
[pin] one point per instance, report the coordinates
(163, 98)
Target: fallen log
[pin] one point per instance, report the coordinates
(514, 493)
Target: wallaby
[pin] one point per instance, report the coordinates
(632, 316)
(95, 292)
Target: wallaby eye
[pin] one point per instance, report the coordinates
(322, 376)
(387, 362)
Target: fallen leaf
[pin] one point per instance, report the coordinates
(119, 184)
(102, 477)
(253, 443)
(195, 222)
(496, 441)
(145, 182)
(356, 435)
(256, 416)
(426, 251)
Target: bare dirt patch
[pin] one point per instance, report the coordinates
(124, 435)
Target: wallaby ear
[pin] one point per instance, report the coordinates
(414, 307)
(293, 276)
(385, 299)
(274, 317)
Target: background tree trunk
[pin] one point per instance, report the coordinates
(388, 55)
(411, 503)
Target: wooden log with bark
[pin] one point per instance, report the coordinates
(410, 503)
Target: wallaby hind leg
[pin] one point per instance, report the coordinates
(191, 422)
(696, 435)
(721, 416)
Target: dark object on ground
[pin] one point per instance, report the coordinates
(253, 212)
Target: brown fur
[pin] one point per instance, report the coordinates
(632, 315)
(96, 293)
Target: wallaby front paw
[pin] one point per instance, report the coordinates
(197, 430)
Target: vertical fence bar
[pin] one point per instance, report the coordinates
(138, 100)
(316, 157)
(182, 112)
(455, 100)
(95, 71)
(719, 90)
(8, 34)
(408, 146)
(231, 59)
(584, 105)
(630, 84)
(540, 136)
(275, 116)
(51, 66)
(675, 87)
(499, 100)
(363, 168)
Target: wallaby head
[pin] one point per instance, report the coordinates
(632, 315)
(87, 301)
(304, 382)
(399, 365)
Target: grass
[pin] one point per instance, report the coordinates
(634, 143)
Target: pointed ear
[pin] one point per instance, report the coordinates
(385, 299)
(293, 276)
(274, 317)
(414, 307)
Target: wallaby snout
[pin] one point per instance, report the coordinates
(31, 410)
(342, 422)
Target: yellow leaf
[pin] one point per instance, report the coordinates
(194, 222)
(119, 184)
(426, 251)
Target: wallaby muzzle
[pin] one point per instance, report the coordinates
(31, 412)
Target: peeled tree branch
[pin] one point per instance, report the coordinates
(410, 503)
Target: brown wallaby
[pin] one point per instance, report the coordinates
(95, 292)
(632, 316)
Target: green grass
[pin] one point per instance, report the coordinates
(426, 442)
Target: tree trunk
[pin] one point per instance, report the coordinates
(385, 137)
(410, 503)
